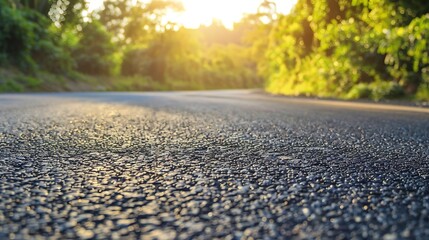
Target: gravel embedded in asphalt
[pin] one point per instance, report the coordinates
(226, 164)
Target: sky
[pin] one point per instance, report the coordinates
(202, 12)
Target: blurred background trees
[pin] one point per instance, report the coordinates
(330, 48)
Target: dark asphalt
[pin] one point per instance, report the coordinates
(203, 165)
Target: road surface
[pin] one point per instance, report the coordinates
(202, 165)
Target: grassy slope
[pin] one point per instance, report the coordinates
(12, 80)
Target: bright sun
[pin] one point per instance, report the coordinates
(199, 12)
(202, 12)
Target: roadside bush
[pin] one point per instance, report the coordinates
(10, 86)
(361, 90)
(386, 90)
(28, 82)
(423, 92)
(407, 52)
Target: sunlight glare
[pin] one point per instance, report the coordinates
(202, 12)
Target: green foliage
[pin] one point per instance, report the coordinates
(95, 52)
(16, 37)
(12, 80)
(134, 83)
(376, 91)
(361, 90)
(229, 66)
(423, 92)
(386, 90)
(136, 22)
(28, 41)
(41, 6)
(179, 58)
(47, 50)
(349, 49)
(407, 52)
(11, 86)
(30, 82)
(136, 61)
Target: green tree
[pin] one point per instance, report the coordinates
(16, 36)
(28, 41)
(135, 23)
(95, 52)
(60, 11)
(165, 57)
(351, 49)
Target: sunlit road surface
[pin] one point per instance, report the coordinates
(203, 165)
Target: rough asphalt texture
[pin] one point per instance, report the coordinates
(230, 165)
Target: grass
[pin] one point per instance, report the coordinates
(12, 80)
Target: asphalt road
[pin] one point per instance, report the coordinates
(225, 164)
